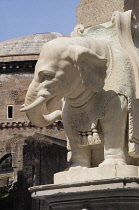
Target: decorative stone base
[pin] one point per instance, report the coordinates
(113, 194)
(100, 194)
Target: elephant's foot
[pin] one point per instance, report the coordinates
(76, 166)
(111, 161)
(80, 158)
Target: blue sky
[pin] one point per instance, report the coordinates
(25, 17)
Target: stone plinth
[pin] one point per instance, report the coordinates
(119, 190)
(77, 175)
(94, 12)
(112, 194)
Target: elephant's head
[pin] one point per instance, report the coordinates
(64, 69)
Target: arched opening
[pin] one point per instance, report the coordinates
(6, 164)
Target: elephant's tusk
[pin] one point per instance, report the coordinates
(34, 104)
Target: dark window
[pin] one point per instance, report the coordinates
(6, 164)
(10, 112)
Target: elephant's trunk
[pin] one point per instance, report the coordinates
(33, 106)
(32, 92)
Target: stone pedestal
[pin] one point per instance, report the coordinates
(114, 193)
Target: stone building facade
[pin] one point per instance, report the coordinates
(28, 155)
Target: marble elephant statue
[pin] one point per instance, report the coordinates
(77, 69)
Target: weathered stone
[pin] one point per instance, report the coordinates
(104, 194)
(95, 12)
(98, 173)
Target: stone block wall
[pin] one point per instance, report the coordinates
(94, 12)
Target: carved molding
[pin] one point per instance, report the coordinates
(20, 124)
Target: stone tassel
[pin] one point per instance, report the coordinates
(96, 138)
(90, 139)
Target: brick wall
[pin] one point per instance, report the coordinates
(35, 159)
(13, 88)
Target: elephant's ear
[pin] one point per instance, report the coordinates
(92, 67)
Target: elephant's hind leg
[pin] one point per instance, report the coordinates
(114, 128)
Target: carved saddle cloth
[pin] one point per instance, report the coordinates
(123, 78)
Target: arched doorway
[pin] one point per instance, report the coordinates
(6, 164)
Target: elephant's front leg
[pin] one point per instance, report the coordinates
(114, 129)
(81, 157)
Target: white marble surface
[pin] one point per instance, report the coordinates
(79, 175)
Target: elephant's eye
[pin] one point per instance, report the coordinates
(47, 77)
